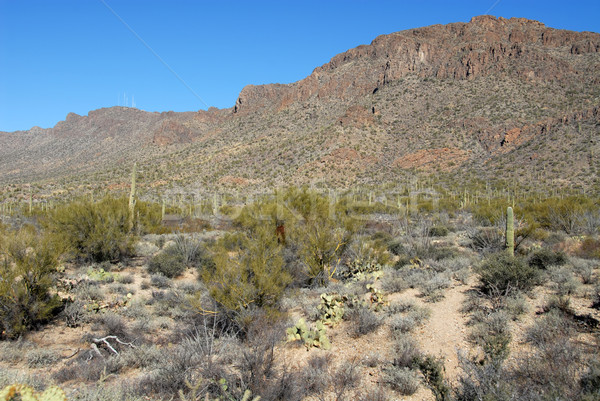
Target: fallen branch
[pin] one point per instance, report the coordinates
(73, 354)
(104, 340)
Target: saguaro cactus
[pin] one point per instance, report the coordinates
(132, 196)
(510, 231)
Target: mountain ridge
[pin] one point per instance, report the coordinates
(442, 98)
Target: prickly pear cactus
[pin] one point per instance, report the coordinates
(298, 332)
(310, 338)
(331, 309)
(359, 269)
(21, 392)
(378, 298)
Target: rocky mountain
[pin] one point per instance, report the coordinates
(495, 97)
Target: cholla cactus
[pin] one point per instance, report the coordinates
(26, 393)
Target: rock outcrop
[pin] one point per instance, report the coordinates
(486, 45)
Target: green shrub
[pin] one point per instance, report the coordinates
(252, 275)
(438, 231)
(94, 231)
(433, 373)
(396, 248)
(169, 263)
(545, 257)
(403, 380)
(323, 233)
(501, 273)
(590, 248)
(27, 266)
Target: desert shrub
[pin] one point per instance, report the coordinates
(89, 290)
(252, 276)
(487, 239)
(590, 382)
(553, 325)
(170, 263)
(487, 381)
(144, 356)
(438, 231)
(552, 369)
(402, 324)
(493, 336)
(177, 365)
(403, 260)
(393, 281)
(438, 252)
(396, 248)
(160, 281)
(114, 325)
(27, 271)
(406, 352)
(563, 281)
(74, 313)
(462, 275)
(315, 375)
(515, 305)
(190, 248)
(433, 288)
(372, 360)
(433, 375)
(14, 351)
(94, 231)
(589, 248)
(375, 393)
(403, 380)
(502, 273)
(367, 251)
(365, 321)
(545, 257)
(344, 378)
(596, 297)
(417, 277)
(322, 233)
(584, 269)
(38, 358)
(565, 214)
(125, 279)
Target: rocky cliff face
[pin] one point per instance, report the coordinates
(486, 45)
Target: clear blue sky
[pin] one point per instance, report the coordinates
(61, 56)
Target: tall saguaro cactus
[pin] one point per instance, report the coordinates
(132, 196)
(510, 231)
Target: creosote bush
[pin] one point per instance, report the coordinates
(169, 263)
(502, 273)
(545, 257)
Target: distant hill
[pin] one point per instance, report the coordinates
(491, 98)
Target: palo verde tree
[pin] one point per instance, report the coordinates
(28, 264)
(323, 229)
(247, 272)
(93, 231)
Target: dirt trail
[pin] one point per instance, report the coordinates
(445, 332)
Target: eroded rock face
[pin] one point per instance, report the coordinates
(486, 45)
(171, 132)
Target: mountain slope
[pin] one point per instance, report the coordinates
(467, 99)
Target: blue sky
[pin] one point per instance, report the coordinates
(61, 56)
